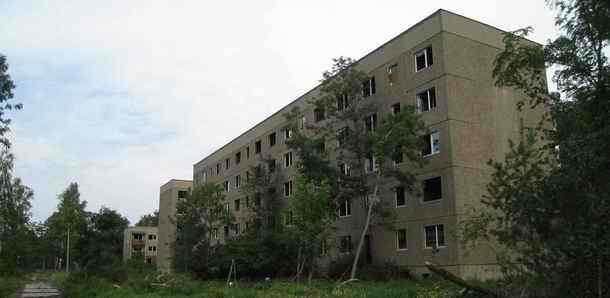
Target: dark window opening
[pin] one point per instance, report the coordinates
(399, 193)
(396, 108)
(424, 59)
(237, 158)
(318, 114)
(401, 238)
(370, 122)
(368, 87)
(433, 189)
(258, 147)
(426, 100)
(272, 140)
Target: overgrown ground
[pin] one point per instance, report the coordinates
(183, 286)
(9, 284)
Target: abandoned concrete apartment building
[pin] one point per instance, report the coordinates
(443, 65)
(140, 242)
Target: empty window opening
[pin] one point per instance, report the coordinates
(401, 239)
(288, 188)
(435, 236)
(433, 189)
(370, 122)
(368, 87)
(258, 147)
(426, 100)
(423, 59)
(288, 159)
(318, 114)
(272, 140)
(399, 195)
(432, 144)
(345, 208)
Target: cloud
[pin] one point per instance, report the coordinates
(122, 96)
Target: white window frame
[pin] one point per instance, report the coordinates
(345, 169)
(287, 134)
(367, 164)
(288, 189)
(342, 102)
(204, 177)
(398, 248)
(435, 147)
(303, 122)
(424, 53)
(344, 206)
(237, 181)
(396, 197)
(227, 186)
(419, 104)
(288, 159)
(369, 83)
(435, 236)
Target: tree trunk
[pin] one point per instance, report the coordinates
(366, 227)
(600, 282)
(311, 269)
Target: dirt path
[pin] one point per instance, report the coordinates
(39, 289)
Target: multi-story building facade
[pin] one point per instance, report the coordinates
(443, 65)
(169, 194)
(140, 242)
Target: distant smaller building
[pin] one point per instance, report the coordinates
(140, 242)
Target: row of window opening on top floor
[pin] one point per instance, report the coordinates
(425, 101)
(431, 146)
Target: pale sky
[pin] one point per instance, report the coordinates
(121, 96)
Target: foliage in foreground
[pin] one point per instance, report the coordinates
(548, 201)
(184, 286)
(9, 284)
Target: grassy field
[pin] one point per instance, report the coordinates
(218, 289)
(10, 284)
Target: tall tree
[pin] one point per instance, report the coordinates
(103, 241)
(6, 94)
(196, 216)
(15, 204)
(369, 153)
(68, 225)
(149, 220)
(549, 201)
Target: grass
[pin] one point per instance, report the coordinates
(9, 284)
(186, 287)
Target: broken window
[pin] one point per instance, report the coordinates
(237, 158)
(342, 136)
(368, 87)
(344, 169)
(433, 189)
(287, 133)
(237, 181)
(426, 100)
(217, 169)
(248, 152)
(226, 186)
(397, 157)
(182, 194)
(272, 139)
(423, 59)
(435, 236)
(432, 144)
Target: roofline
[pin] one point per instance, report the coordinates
(438, 11)
(172, 180)
(316, 87)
